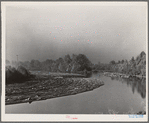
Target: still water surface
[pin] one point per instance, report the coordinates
(116, 96)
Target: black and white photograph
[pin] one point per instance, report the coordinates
(74, 61)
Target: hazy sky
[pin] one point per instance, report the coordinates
(103, 32)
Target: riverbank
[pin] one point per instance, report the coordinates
(47, 87)
(111, 74)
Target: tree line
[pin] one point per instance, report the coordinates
(77, 63)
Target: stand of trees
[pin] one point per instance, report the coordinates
(73, 64)
(133, 67)
(77, 63)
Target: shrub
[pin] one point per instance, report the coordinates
(16, 76)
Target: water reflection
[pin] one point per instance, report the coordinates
(136, 84)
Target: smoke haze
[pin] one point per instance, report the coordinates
(50, 31)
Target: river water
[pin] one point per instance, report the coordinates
(115, 96)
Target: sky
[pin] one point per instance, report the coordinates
(101, 31)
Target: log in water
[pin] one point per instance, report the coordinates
(46, 89)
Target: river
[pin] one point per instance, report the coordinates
(116, 96)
